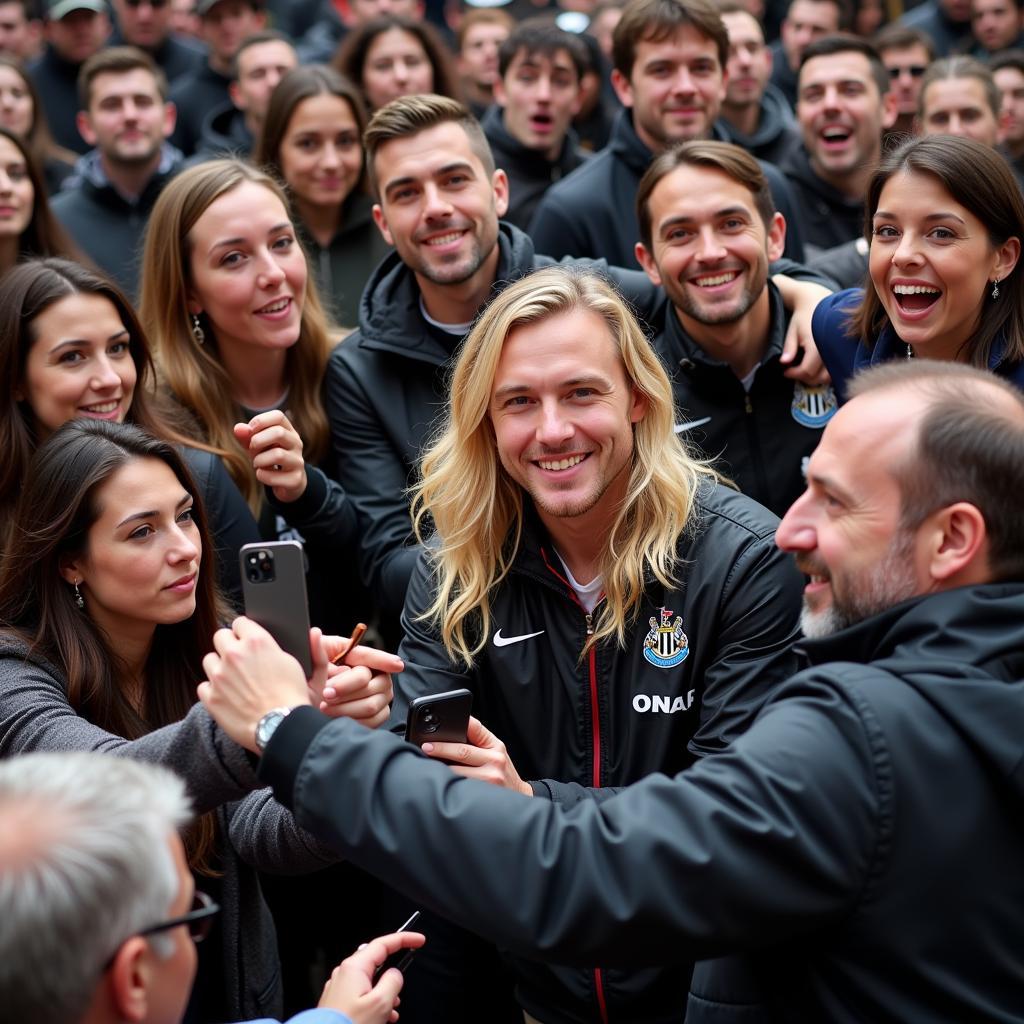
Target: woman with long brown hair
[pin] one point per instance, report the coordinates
(241, 340)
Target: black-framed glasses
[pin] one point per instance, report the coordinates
(914, 70)
(199, 920)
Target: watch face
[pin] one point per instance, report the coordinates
(268, 723)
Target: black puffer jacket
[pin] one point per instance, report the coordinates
(858, 850)
(619, 714)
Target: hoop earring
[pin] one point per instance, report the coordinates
(197, 330)
(995, 288)
(79, 600)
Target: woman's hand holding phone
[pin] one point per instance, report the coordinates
(360, 688)
(483, 756)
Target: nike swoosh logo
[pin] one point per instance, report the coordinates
(504, 641)
(690, 424)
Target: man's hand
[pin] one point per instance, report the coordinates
(275, 448)
(483, 756)
(247, 676)
(802, 297)
(360, 688)
(350, 989)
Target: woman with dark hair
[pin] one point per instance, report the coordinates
(108, 611)
(393, 56)
(312, 141)
(27, 226)
(944, 221)
(71, 347)
(21, 112)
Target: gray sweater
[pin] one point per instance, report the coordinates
(254, 830)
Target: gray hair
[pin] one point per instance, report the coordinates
(84, 865)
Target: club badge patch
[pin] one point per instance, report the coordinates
(813, 407)
(666, 644)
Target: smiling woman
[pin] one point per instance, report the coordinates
(242, 343)
(945, 221)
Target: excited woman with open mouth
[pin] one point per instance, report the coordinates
(944, 220)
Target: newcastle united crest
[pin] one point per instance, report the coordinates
(666, 644)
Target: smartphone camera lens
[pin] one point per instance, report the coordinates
(430, 721)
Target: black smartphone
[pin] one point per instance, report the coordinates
(440, 717)
(403, 957)
(274, 588)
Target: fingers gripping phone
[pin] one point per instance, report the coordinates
(440, 717)
(274, 588)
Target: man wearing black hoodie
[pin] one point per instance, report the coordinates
(537, 94)
(855, 854)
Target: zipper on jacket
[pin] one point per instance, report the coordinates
(756, 462)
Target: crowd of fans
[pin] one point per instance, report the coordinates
(553, 330)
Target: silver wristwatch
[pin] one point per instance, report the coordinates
(267, 726)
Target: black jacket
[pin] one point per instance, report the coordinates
(57, 82)
(343, 267)
(777, 133)
(621, 714)
(826, 217)
(224, 133)
(592, 212)
(761, 438)
(947, 35)
(530, 173)
(385, 386)
(784, 78)
(196, 95)
(105, 225)
(175, 56)
(858, 849)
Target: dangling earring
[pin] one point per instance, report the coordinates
(197, 330)
(79, 600)
(995, 289)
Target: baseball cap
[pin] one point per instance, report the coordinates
(205, 6)
(57, 9)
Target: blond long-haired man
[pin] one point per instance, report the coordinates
(614, 608)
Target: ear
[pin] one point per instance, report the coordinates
(170, 119)
(638, 408)
(498, 89)
(578, 102)
(620, 83)
(71, 570)
(235, 94)
(776, 237)
(1006, 257)
(646, 260)
(382, 224)
(499, 182)
(955, 542)
(889, 111)
(84, 124)
(128, 977)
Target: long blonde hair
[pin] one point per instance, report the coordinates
(194, 373)
(476, 508)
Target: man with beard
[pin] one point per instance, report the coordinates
(708, 231)
(855, 854)
(125, 116)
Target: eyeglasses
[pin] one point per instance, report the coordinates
(914, 70)
(152, 3)
(199, 920)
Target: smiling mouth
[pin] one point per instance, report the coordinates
(714, 280)
(913, 298)
(100, 408)
(278, 306)
(446, 239)
(835, 136)
(565, 463)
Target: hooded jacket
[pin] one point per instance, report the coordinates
(854, 856)
(224, 134)
(194, 95)
(530, 172)
(57, 82)
(776, 135)
(844, 353)
(386, 385)
(827, 218)
(103, 223)
(592, 213)
(622, 712)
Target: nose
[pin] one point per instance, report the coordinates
(436, 205)
(104, 376)
(543, 88)
(400, 72)
(684, 81)
(955, 125)
(906, 250)
(6, 186)
(709, 248)
(796, 531)
(553, 429)
(183, 547)
(270, 270)
(329, 157)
